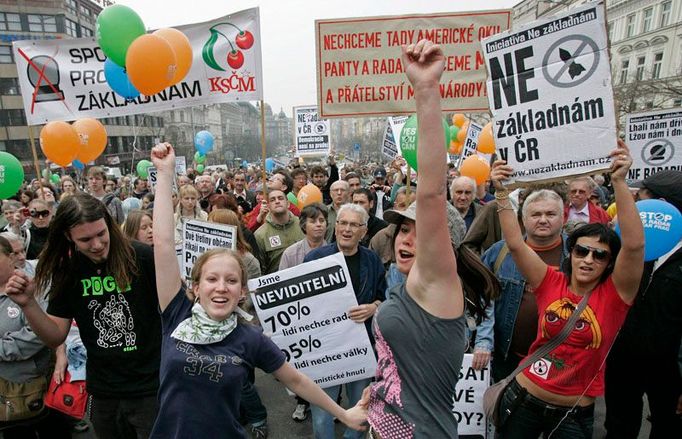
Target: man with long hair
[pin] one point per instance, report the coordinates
(106, 283)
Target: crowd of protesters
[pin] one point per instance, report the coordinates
(440, 266)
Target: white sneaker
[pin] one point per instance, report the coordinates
(300, 414)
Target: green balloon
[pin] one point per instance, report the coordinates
(11, 175)
(55, 179)
(408, 140)
(454, 130)
(142, 168)
(117, 27)
(200, 169)
(292, 198)
(199, 157)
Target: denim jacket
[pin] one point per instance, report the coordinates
(512, 284)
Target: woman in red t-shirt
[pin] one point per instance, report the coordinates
(555, 395)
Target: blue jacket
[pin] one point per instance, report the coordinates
(371, 275)
(512, 284)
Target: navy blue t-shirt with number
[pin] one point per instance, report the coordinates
(201, 385)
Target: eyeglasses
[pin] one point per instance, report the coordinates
(598, 254)
(353, 226)
(40, 213)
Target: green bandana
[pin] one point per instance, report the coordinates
(201, 329)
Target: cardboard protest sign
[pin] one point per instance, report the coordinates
(360, 71)
(655, 142)
(304, 309)
(468, 400)
(180, 165)
(199, 237)
(396, 123)
(470, 143)
(550, 94)
(64, 79)
(311, 133)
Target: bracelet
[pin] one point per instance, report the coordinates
(502, 195)
(507, 207)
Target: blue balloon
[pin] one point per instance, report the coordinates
(662, 227)
(245, 164)
(78, 164)
(269, 165)
(117, 78)
(203, 142)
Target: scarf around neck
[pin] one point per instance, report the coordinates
(201, 329)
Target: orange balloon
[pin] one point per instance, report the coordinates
(308, 194)
(459, 119)
(182, 48)
(462, 133)
(59, 142)
(486, 141)
(455, 147)
(150, 64)
(475, 167)
(93, 139)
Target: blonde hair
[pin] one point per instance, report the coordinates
(198, 267)
(187, 190)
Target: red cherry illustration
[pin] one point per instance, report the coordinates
(244, 40)
(235, 59)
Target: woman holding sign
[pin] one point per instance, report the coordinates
(206, 350)
(555, 394)
(420, 330)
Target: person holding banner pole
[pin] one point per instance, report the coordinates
(207, 350)
(420, 328)
(555, 395)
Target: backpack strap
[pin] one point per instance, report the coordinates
(504, 251)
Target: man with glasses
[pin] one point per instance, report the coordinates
(579, 208)
(369, 284)
(41, 214)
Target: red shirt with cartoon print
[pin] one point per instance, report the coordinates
(570, 368)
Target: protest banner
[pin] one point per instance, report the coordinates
(468, 400)
(470, 142)
(311, 134)
(304, 309)
(655, 142)
(550, 95)
(396, 123)
(64, 79)
(199, 237)
(360, 71)
(388, 146)
(180, 165)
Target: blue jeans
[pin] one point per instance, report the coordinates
(323, 422)
(530, 417)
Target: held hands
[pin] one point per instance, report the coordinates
(424, 63)
(620, 161)
(360, 313)
(163, 157)
(356, 417)
(20, 288)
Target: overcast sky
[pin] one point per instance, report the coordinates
(288, 37)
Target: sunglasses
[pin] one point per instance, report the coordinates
(598, 254)
(40, 213)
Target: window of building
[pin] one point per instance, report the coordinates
(610, 30)
(677, 103)
(658, 62)
(640, 67)
(85, 11)
(647, 19)
(666, 7)
(624, 71)
(12, 118)
(19, 149)
(10, 21)
(630, 25)
(182, 116)
(71, 28)
(71, 6)
(42, 23)
(6, 56)
(86, 32)
(9, 86)
(633, 106)
(649, 105)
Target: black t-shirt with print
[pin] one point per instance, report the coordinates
(120, 327)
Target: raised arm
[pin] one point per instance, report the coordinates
(433, 281)
(528, 262)
(629, 265)
(168, 272)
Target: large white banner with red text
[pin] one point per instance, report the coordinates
(64, 79)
